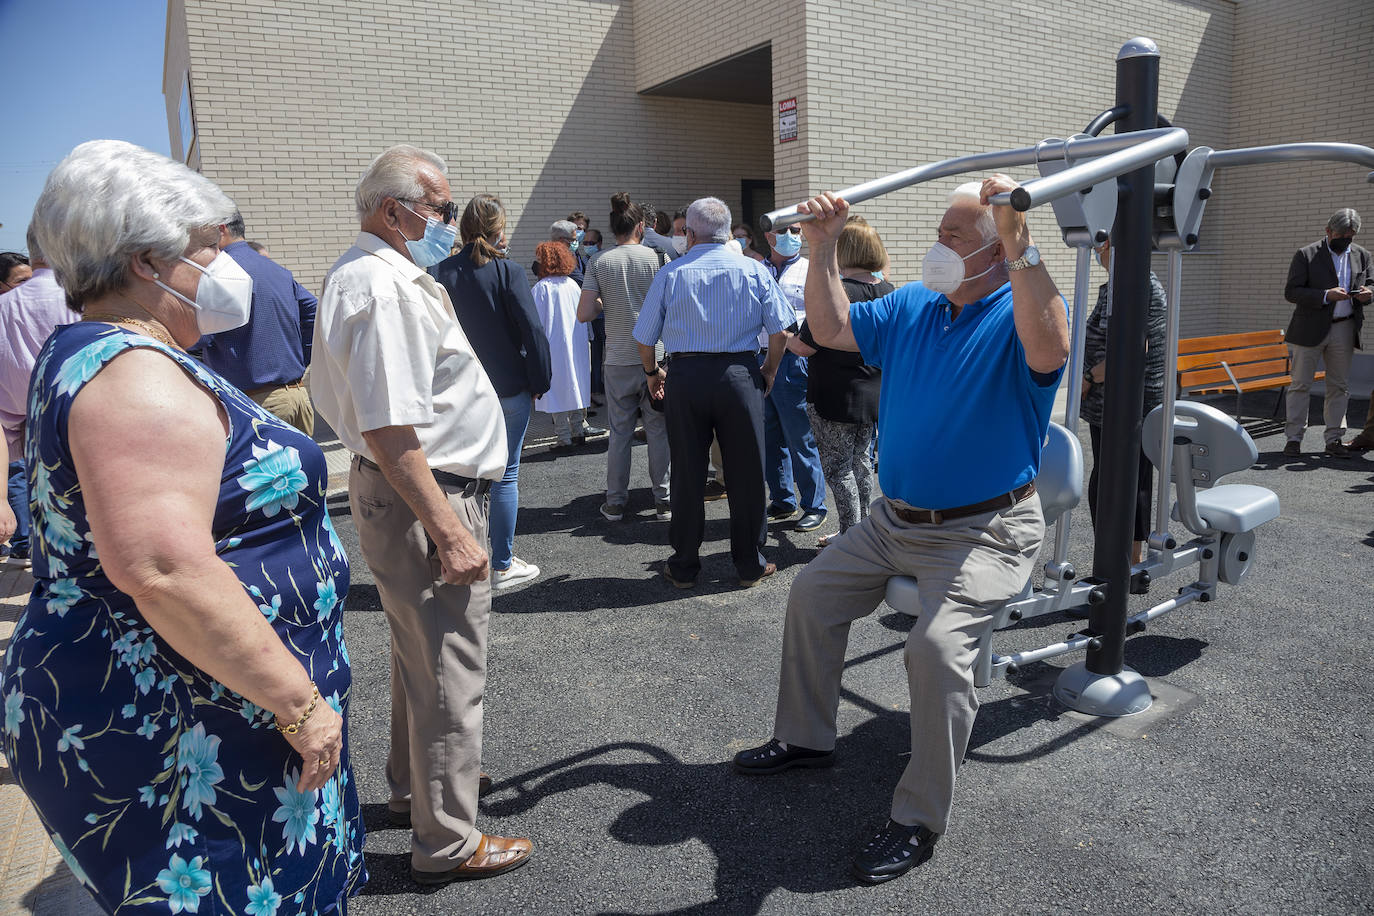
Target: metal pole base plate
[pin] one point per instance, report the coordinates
(1114, 695)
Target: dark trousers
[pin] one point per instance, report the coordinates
(1144, 488)
(721, 396)
(598, 354)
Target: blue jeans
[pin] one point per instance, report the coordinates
(789, 449)
(19, 502)
(505, 493)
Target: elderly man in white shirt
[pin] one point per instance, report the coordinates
(395, 377)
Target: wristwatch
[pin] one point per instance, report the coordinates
(653, 371)
(1029, 258)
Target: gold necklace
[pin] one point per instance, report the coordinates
(148, 329)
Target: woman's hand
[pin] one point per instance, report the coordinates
(320, 743)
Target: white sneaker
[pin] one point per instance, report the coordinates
(518, 573)
(612, 513)
(663, 511)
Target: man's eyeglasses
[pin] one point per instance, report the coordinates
(448, 210)
(793, 230)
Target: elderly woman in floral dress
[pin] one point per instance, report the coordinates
(174, 694)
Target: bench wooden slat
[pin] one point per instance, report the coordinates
(1191, 345)
(1247, 372)
(1233, 358)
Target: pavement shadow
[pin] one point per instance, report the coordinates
(766, 834)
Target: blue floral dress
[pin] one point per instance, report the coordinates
(164, 790)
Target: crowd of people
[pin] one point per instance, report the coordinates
(182, 658)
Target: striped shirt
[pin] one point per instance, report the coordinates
(621, 277)
(712, 300)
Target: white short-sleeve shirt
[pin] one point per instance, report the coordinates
(389, 351)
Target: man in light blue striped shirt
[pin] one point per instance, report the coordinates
(708, 308)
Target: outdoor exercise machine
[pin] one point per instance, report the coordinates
(1139, 189)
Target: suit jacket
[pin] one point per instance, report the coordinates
(1310, 275)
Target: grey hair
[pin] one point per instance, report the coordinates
(110, 200)
(709, 219)
(1344, 220)
(972, 190)
(396, 174)
(35, 250)
(563, 229)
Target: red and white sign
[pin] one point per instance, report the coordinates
(787, 120)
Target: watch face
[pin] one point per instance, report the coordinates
(1032, 255)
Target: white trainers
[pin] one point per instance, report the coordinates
(663, 511)
(518, 573)
(612, 513)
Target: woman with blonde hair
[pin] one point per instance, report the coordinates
(841, 391)
(175, 693)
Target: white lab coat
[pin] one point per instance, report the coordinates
(570, 353)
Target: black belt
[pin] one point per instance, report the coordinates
(741, 354)
(470, 486)
(936, 516)
(1342, 318)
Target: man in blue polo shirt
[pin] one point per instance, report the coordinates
(267, 357)
(971, 357)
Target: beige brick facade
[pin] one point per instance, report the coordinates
(545, 105)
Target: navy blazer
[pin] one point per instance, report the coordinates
(497, 312)
(1310, 275)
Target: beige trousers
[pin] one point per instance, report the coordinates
(1336, 352)
(964, 569)
(438, 668)
(289, 403)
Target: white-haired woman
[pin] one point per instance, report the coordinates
(174, 693)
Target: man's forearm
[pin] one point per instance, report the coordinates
(827, 304)
(777, 343)
(397, 452)
(1040, 312)
(648, 358)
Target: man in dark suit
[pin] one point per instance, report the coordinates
(1329, 282)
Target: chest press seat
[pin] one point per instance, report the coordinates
(1208, 444)
(1060, 486)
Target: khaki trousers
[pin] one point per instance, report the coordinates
(290, 403)
(1336, 352)
(438, 668)
(964, 569)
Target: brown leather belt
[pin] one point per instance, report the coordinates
(266, 388)
(936, 516)
(470, 486)
(1342, 318)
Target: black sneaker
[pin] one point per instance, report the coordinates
(773, 758)
(894, 851)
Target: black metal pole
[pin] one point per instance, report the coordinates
(1137, 90)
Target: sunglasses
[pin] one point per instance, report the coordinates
(448, 210)
(791, 230)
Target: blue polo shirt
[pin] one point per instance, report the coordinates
(961, 416)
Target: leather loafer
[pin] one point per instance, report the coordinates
(781, 513)
(1336, 449)
(677, 583)
(893, 852)
(494, 855)
(1292, 450)
(773, 758)
(810, 521)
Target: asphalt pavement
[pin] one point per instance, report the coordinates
(615, 702)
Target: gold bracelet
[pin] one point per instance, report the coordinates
(296, 726)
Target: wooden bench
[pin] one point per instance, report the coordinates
(1252, 361)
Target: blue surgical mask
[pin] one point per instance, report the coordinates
(787, 244)
(434, 245)
(579, 233)
(878, 276)
(588, 249)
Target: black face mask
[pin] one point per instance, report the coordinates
(1340, 245)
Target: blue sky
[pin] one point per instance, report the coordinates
(74, 70)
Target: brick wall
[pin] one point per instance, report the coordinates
(535, 103)
(539, 103)
(1302, 72)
